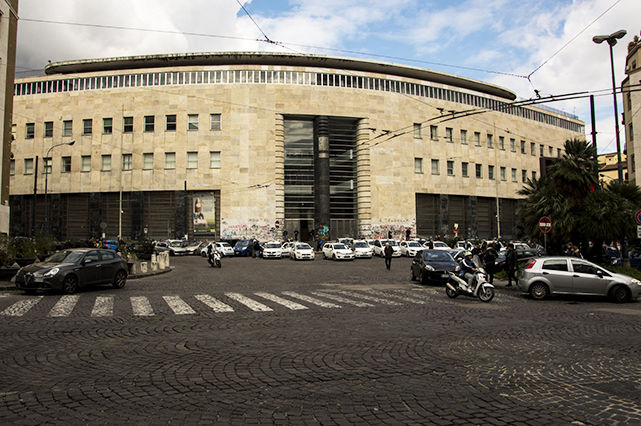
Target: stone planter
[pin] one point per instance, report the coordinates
(6, 274)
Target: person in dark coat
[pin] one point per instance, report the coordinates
(388, 255)
(489, 259)
(511, 264)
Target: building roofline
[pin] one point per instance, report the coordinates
(274, 59)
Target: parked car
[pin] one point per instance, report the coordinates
(410, 248)
(225, 248)
(545, 276)
(362, 249)
(440, 245)
(432, 266)
(71, 269)
(243, 248)
(272, 250)
(301, 251)
(193, 247)
(287, 248)
(173, 248)
(379, 248)
(457, 254)
(110, 244)
(337, 251)
(521, 256)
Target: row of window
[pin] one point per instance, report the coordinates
(290, 77)
(436, 170)
(127, 162)
(489, 140)
(149, 125)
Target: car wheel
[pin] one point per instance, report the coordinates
(620, 294)
(70, 284)
(324, 255)
(333, 257)
(539, 291)
(120, 280)
(412, 276)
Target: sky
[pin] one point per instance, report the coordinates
(522, 45)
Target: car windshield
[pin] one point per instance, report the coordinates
(65, 257)
(176, 244)
(361, 245)
(413, 244)
(225, 245)
(242, 243)
(272, 245)
(437, 256)
(339, 246)
(303, 247)
(392, 242)
(441, 245)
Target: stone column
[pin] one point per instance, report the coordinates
(322, 214)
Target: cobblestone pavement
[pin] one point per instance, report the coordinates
(317, 342)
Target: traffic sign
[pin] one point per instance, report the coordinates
(545, 224)
(277, 224)
(637, 217)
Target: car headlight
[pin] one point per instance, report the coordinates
(458, 268)
(635, 281)
(51, 272)
(429, 267)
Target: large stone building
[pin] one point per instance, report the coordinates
(631, 87)
(233, 145)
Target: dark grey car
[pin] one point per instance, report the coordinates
(68, 270)
(433, 266)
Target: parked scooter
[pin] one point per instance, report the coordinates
(214, 259)
(458, 285)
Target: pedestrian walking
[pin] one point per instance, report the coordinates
(408, 232)
(296, 234)
(511, 264)
(388, 255)
(489, 259)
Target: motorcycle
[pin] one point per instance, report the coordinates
(458, 285)
(214, 259)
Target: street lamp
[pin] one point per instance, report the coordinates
(46, 181)
(612, 40)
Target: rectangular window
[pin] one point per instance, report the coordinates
(479, 171)
(464, 170)
(490, 172)
(449, 134)
(148, 161)
(503, 174)
(490, 141)
(464, 137)
(214, 122)
(513, 175)
(126, 161)
(523, 176)
(106, 163)
(67, 128)
(551, 151)
(502, 143)
(14, 131)
(170, 160)
(87, 126)
(48, 129)
(149, 123)
(418, 165)
(533, 174)
(192, 160)
(85, 163)
(532, 148)
(128, 124)
(477, 138)
(12, 167)
(450, 168)
(170, 123)
(46, 165)
(435, 167)
(28, 166)
(66, 164)
(30, 131)
(631, 131)
(512, 144)
(214, 159)
(107, 126)
(558, 152)
(434, 133)
(542, 150)
(417, 130)
(522, 147)
(192, 122)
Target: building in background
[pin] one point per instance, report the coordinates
(241, 145)
(609, 167)
(8, 33)
(631, 88)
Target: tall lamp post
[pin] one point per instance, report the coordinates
(612, 40)
(46, 165)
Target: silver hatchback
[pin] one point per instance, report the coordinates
(544, 276)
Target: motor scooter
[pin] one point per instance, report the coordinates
(214, 259)
(458, 285)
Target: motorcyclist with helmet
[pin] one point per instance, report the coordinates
(468, 269)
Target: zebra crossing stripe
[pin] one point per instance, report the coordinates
(341, 299)
(386, 294)
(250, 303)
(286, 303)
(179, 306)
(213, 303)
(311, 300)
(141, 307)
(20, 308)
(64, 306)
(372, 298)
(103, 307)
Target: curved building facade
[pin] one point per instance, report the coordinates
(239, 145)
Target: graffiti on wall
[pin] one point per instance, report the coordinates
(256, 229)
(397, 230)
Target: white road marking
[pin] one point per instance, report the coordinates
(179, 306)
(213, 303)
(341, 299)
(64, 306)
(286, 303)
(103, 307)
(371, 298)
(385, 294)
(141, 306)
(20, 308)
(311, 300)
(250, 303)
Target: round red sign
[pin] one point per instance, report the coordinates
(545, 224)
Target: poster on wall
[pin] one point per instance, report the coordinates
(204, 213)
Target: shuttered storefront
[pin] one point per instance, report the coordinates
(159, 214)
(76, 212)
(426, 215)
